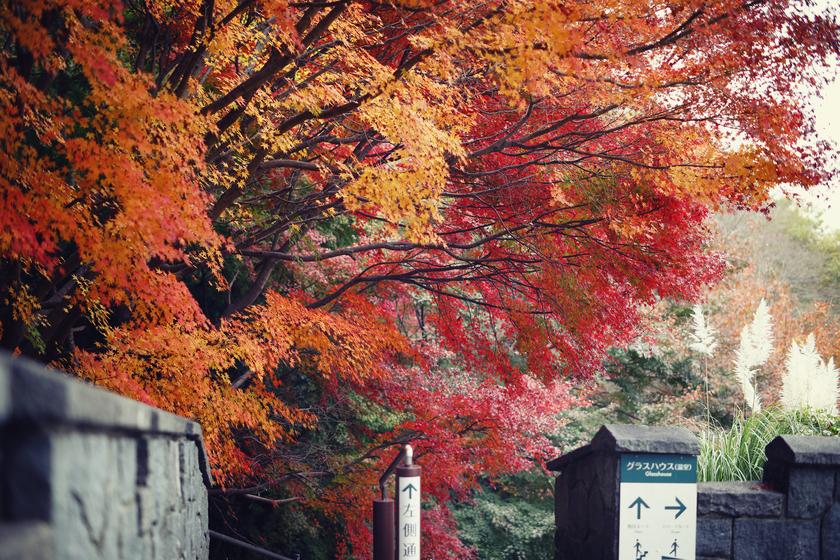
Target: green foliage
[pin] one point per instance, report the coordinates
(514, 521)
(640, 387)
(373, 416)
(640, 384)
(341, 231)
(806, 230)
(796, 224)
(829, 246)
(737, 453)
(292, 530)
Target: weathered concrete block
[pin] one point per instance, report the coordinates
(775, 475)
(804, 450)
(837, 486)
(586, 490)
(561, 500)
(93, 495)
(96, 475)
(738, 499)
(27, 474)
(27, 540)
(788, 453)
(830, 540)
(630, 438)
(810, 492)
(5, 387)
(714, 537)
(776, 539)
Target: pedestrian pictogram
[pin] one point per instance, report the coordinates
(637, 549)
(675, 547)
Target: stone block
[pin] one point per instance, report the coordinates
(735, 499)
(714, 537)
(46, 395)
(584, 523)
(203, 458)
(804, 450)
(830, 541)
(91, 518)
(37, 393)
(126, 468)
(32, 540)
(561, 501)
(776, 539)
(837, 486)
(27, 474)
(95, 475)
(632, 438)
(578, 499)
(810, 492)
(5, 387)
(775, 475)
(146, 511)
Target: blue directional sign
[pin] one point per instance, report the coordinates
(658, 507)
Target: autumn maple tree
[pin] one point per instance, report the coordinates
(398, 221)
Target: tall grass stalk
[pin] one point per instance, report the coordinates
(703, 341)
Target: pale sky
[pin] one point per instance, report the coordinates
(825, 200)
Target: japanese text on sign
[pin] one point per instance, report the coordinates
(408, 526)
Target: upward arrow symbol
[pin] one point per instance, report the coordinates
(639, 503)
(410, 488)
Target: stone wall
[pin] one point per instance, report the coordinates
(86, 474)
(793, 514)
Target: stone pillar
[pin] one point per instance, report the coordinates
(807, 470)
(89, 474)
(587, 486)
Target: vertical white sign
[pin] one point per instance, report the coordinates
(658, 507)
(408, 519)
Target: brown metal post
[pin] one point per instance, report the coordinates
(384, 519)
(383, 529)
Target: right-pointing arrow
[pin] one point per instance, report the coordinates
(679, 508)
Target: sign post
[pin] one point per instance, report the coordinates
(657, 507)
(408, 509)
(396, 523)
(383, 529)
